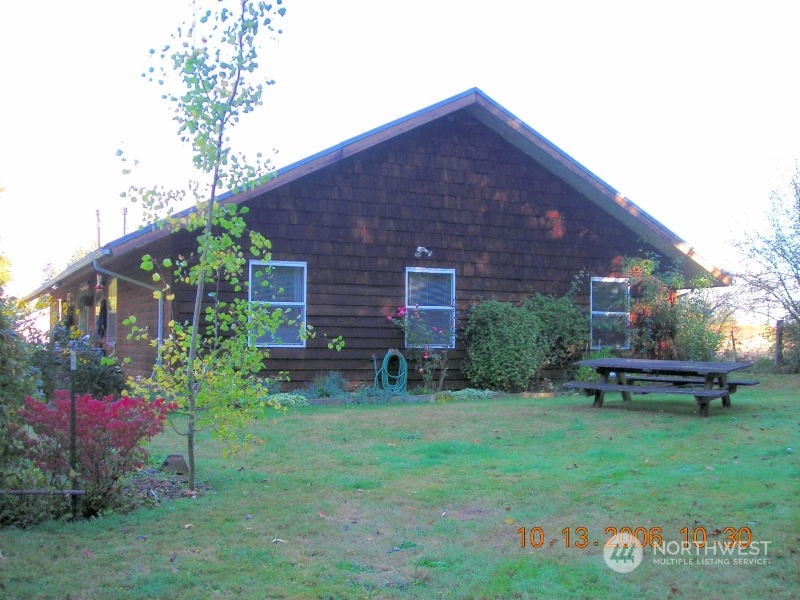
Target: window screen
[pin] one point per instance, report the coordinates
(430, 308)
(610, 300)
(281, 286)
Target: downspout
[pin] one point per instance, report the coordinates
(152, 288)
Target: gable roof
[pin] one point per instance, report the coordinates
(493, 116)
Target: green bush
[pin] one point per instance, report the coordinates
(763, 365)
(466, 394)
(330, 385)
(565, 329)
(26, 510)
(666, 325)
(290, 400)
(791, 347)
(585, 373)
(504, 349)
(95, 374)
(17, 379)
(698, 334)
(15, 373)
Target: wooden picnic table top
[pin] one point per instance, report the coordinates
(663, 367)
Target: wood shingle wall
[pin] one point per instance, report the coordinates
(506, 225)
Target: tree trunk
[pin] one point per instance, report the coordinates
(779, 343)
(190, 431)
(191, 384)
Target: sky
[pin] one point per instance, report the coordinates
(689, 108)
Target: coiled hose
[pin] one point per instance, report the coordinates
(392, 383)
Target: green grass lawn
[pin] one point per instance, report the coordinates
(426, 500)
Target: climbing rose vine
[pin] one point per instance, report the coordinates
(426, 345)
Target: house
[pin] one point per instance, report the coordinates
(457, 203)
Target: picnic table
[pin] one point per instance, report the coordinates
(704, 380)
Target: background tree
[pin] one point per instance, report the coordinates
(772, 274)
(16, 379)
(772, 257)
(16, 376)
(208, 364)
(5, 270)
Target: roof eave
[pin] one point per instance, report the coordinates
(595, 189)
(68, 273)
(490, 114)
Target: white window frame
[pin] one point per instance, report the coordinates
(301, 305)
(451, 342)
(623, 315)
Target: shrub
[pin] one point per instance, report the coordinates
(17, 379)
(368, 394)
(289, 400)
(15, 374)
(668, 326)
(585, 373)
(96, 375)
(27, 510)
(791, 347)
(763, 365)
(330, 385)
(565, 329)
(698, 333)
(109, 435)
(466, 394)
(14, 382)
(504, 349)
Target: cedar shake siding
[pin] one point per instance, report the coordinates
(508, 211)
(138, 301)
(508, 227)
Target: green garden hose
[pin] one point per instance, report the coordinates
(392, 383)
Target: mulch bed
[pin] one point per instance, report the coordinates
(151, 487)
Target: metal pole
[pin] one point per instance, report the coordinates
(73, 445)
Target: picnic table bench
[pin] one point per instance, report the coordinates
(684, 381)
(703, 380)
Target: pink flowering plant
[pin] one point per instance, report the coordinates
(426, 344)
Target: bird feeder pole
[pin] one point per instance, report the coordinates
(73, 445)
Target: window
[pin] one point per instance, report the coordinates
(610, 300)
(282, 286)
(430, 308)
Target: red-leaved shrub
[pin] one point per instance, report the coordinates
(110, 435)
